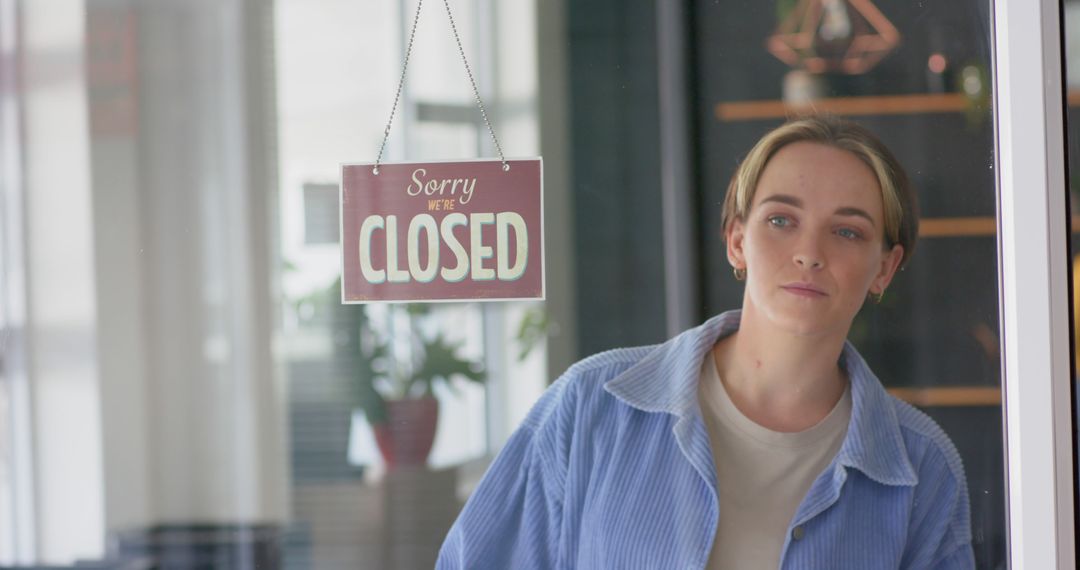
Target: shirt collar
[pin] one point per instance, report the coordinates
(665, 380)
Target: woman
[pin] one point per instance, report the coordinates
(760, 439)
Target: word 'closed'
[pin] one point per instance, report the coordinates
(423, 252)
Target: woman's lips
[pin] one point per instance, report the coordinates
(804, 290)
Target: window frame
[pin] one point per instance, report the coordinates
(1033, 252)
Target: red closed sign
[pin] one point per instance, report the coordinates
(442, 231)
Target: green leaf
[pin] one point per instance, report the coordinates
(531, 331)
(418, 309)
(441, 362)
(372, 402)
(784, 8)
(369, 368)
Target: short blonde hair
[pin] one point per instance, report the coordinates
(900, 207)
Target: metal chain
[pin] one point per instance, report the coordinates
(400, 85)
(476, 91)
(472, 81)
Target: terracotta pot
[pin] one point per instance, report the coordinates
(405, 439)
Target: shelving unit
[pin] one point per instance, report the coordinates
(935, 341)
(932, 227)
(883, 105)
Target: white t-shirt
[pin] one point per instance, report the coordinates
(762, 475)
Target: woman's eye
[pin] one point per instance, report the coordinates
(848, 233)
(779, 221)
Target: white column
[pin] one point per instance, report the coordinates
(61, 311)
(120, 252)
(185, 206)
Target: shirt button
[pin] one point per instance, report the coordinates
(798, 532)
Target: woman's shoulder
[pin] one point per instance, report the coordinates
(607, 364)
(941, 503)
(928, 448)
(927, 443)
(582, 384)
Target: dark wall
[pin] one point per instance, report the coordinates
(616, 176)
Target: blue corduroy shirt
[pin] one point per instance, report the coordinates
(612, 468)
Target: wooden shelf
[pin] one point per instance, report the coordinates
(974, 226)
(730, 111)
(957, 227)
(952, 397)
(844, 106)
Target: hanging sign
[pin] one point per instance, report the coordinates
(442, 231)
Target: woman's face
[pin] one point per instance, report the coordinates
(813, 240)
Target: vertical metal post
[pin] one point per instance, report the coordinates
(680, 248)
(553, 67)
(496, 351)
(18, 522)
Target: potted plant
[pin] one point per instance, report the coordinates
(398, 395)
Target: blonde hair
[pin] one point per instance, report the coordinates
(901, 210)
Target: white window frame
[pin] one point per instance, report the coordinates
(1028, 83)
(18, 521)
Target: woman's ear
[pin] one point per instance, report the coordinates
(890, 262)
(734, 237)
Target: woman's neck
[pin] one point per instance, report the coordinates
(782, 381)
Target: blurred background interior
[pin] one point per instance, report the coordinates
(180, 386)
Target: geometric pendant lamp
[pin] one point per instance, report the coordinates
(840, 36)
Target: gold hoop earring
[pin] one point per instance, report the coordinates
(740, 273)
(877, 297)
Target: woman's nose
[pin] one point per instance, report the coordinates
(807, 261)
(809, 257)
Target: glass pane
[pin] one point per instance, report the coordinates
(358, 503)
(191, 392)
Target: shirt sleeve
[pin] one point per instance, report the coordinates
(962, 558)
(513, 518)
(940, 533)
